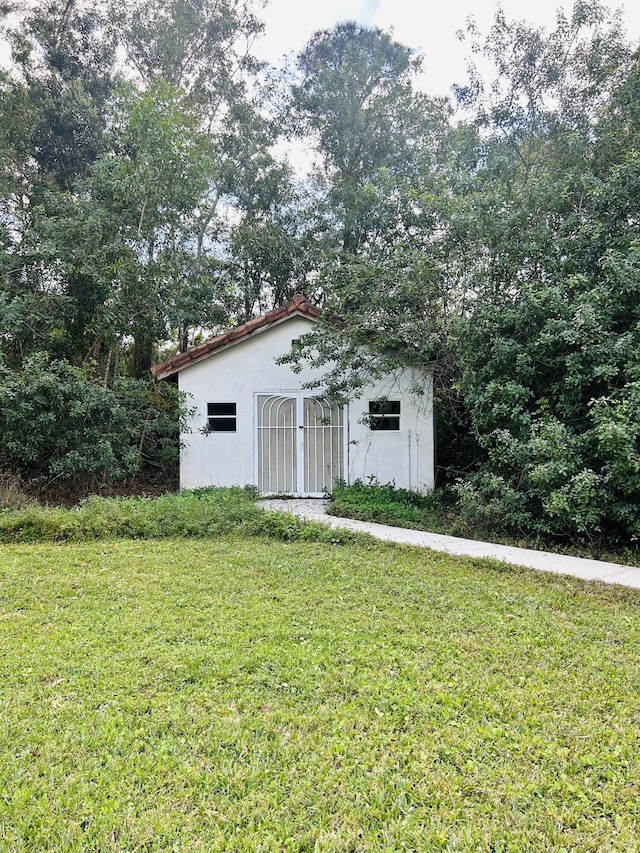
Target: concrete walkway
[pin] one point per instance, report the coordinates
(559, 564)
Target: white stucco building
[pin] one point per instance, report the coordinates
(254, 423)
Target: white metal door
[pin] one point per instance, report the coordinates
(323, 445)
(277, 444)
(300, 444)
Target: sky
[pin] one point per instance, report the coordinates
(427, 26)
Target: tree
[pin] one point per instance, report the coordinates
(265, 245)
(66, 67)
(55, 101)
(199, 46)
(114, 223)
(150, 185)
(549, 347)
(354, 98)
(113, 197)
(379, 144)
(519, 203)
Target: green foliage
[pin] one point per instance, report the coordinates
(552, 384)
(206, 512)
(59, 424)
(387, 504)
(548, 350)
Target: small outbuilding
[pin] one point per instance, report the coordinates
(252, 420)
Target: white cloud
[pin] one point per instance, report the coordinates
(422, 24)
(289, 24)
(432, 29)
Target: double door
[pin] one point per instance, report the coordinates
(300, 446)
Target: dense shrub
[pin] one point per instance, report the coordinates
(58, 424)
(552, 382)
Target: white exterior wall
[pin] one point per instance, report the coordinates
(238, 373)
(406, 457)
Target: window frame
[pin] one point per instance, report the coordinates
(222, 416)
(387, 417)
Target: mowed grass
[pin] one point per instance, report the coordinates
(252, 695)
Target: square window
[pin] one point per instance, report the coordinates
(384, 415)
(221, 417)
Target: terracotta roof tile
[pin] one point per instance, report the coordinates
(298, 305)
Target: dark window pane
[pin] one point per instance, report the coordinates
(387, 423)
(221, 409)
(384, 407)
(222, 424)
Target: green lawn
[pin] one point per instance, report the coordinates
(247, 695)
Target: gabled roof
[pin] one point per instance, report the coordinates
(299, 306)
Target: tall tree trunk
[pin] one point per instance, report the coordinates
(142, 350)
